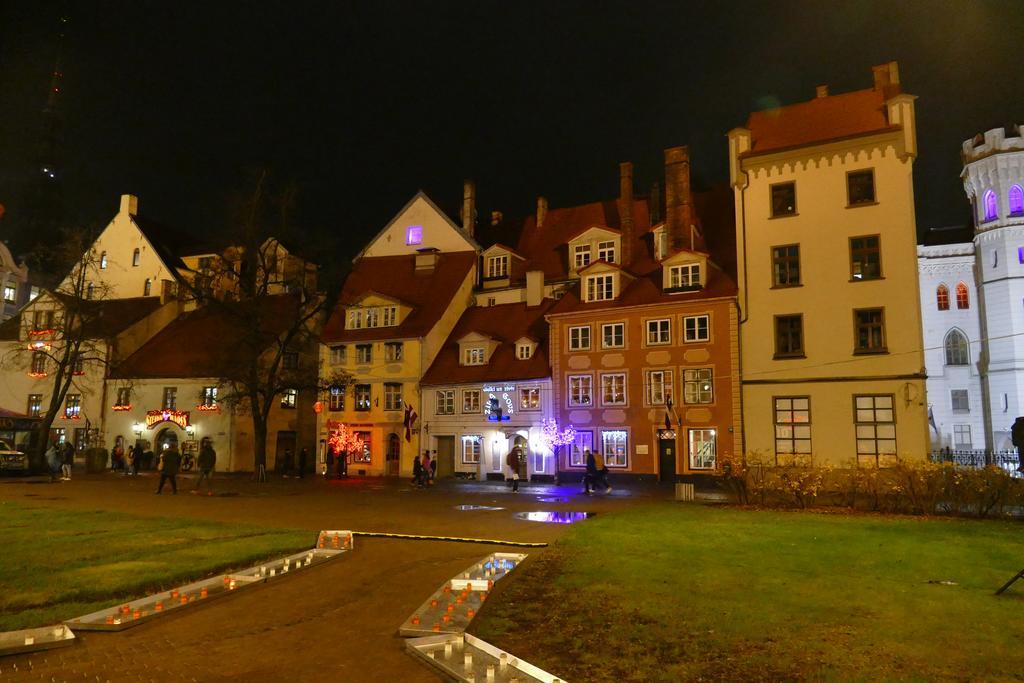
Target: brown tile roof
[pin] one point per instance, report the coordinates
(820, 120)
(429, 293)
(201, 343)
(106, 318)
(505, 323)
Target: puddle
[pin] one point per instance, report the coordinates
(553, 499)
(554, 517)
(464, 508)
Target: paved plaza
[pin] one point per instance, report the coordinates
(336, 622)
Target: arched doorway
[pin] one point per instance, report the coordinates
(166, 438)
(523, 445)
(392, 455)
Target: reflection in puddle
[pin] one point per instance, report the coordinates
(553, 499)
(549, 517)
(476, 507)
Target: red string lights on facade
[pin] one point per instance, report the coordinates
(40, 333)
(343, 439)
(37, 375)
(208, 408)
(121, 408)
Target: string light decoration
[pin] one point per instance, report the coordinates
(553, 437)
(208, 407)
(121, 408)
(344, 440)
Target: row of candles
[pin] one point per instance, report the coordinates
(57, 633)
(457, 643)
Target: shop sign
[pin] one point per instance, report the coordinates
(155, 417)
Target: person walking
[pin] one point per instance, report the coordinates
(206, 462)
(303, 455)
(136, 459)
(68, 460)
(512, 460)
(53, 460)
(170, 462)
(426, 467)
(601, 473)
(417, 472)
(591, 474)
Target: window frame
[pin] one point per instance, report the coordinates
(208, 395)
(72, 406)
(958, 443)
(692, 378)
(667, 383)
(611, 460)
(477, 453)
(338, 355)
(859, 255)
(394, 352)
(662, 333)
(606, 248)
(444, 402)
(169, 399)
(692, 457)
(951, 354)
(988, 195)
(707, 329)
(874, 423)
(136, 257)
(772, 213)
(524, 351)
(581, 252)
(468, 409)
(791, 425)
(600, 287)
(870, 172)
(624, 401)
(336, 398)
(474, 355)
(859, 326)
(391, 391)
(579, 340)
(579, 446)
(954, 401)
(800, 352)
(11, 293)
(787, 261)
(35, 405)
(497, 267)
(364, 354)
(942, 297)
(573, 398)
(963, 296)
(1016, 191)
(621, 344)
(524, 405)
(289, 399)
(366, 389)
(675, 276)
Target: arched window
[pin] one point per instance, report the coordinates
(963, 300)
(942, 297)
(135, 257)
(1016, 200)
(956, 348)
(991, 210)
(147, 287)
(103, 259)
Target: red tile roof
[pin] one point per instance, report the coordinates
(504, 323)
(820, 120)
(429, 293)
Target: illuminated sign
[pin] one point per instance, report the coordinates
(494, 408)
(155, 417)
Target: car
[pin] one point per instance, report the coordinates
(12, 460)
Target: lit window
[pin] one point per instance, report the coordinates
(372, 317)
(103, 260)
(355, 319)
(364, 456)
(583, 442)
(529, 398)
(581, 256)
(393, 396)
(702, 449)
(786, 266)
(209, 396)
(956, 348)
(390, 316)
(783, 198)
(659, 332)
(471, 401)
(991, 206)
(860, 187)
(147, 287)
(865, 258)
(38, 366)
(580, 390)
(959, 401)
(606, 251)
(600, 287)
(789, 336)
(445, 399)
(1015, 199)
(364, 353)
(696, 328)
(497, 266)
(613, 335)
(659, 387)
(579, 338)
(135, 258)
(685, 276)
(613, 389)
(875, 422)
(394, 351)
(10, 294)
(942, 297)
(613, 445)
(73, 406)
(698, 386)
(474, 356)
(471, 447)
(35, 405)
(870, 332)
(414, 235)
(792, 426)
(362, 396)
(339, 355)
(524, 351)
(963, 299)
(336, 398)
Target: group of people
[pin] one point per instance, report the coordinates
(596, 474)
(59, 459)
(424, 470)
(128, 465)
(170, 464)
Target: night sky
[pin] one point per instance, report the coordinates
(361, 104)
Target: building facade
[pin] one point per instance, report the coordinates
(830, 322)
(15, 290)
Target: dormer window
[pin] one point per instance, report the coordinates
(606, 251)
(390, 316)
(497, 266)
(661, 244)
(524, 351)
(414, 235)
(600, 287)
(475, 355)
(581, 256)
(684, 276)
(373, 317)
(355, 320)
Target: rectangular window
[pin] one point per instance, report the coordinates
(170, 398)
(390, 314)
(860, 187)
(336, 398)
(361, 394)
(339, 355)
(373, 317)
(414, 235)
(78, 365)
(696, 328)
(583, 442)
(581, 256)
(471, 447)
(393, 351)
(364, 353)
(686, 276)
(10, 294)
(960, 400)
(529, 398)
(606, 251)
(497, 266)
(524, 351)
(35, 405)
(659, 332)
(783, 199)
(870, 331)
(613, 445)
(613, 389)
(135, 258)
(613, 335)
(789, 336)
(659, 387)
(875, 422)
(38, 363)
(393, 396)
(792, 426)
(355, 319)
(147, 287)
(124, 396)
(208, 397)
(702, 449)
(962, 437)
(365, 455)
(581, 390)
(103, 260)
(579, 338)
(786, 265)
(471, 401)
(865, 258)
(289, 399)
(290, 360)
(445, 402)
(73, 406)
(600, 287)
(698, 386)
(475, 355)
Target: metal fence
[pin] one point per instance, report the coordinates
(1007, 460)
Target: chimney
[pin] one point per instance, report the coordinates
(130, 204)
(678, 210)
(655, 203)
(534, 287)
(886, 74)
(626, 217)
(542, 210)
(468, 207)
(821, 91)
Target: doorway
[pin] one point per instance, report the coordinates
(284, 454)
(524, 453)
(167, 438)
(666, 456)
(392, 455)
(445, 456)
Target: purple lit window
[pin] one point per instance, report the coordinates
(414, 234)
(990, 205)
(1016, 197)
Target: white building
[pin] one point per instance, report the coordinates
(14, 285)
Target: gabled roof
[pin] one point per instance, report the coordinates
(428, 292)
(430, 202)
(497, 246)
(106, 318)
(169, 244)
(505, 324)
(599, 228)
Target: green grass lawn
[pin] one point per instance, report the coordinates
(58, 564)
(673, 592)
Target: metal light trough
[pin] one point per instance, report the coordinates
(35, 639)
(453, 605)
(468, 659)
(329, 545)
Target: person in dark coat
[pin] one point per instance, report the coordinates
(303, 455)
(513, 459)
(591, 476)
(417, 472)
(136, 458)
(53, 460)
(68, 460)
(206, 462)
(170, 463)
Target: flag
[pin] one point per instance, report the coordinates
(410, 419)
(668, 420)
